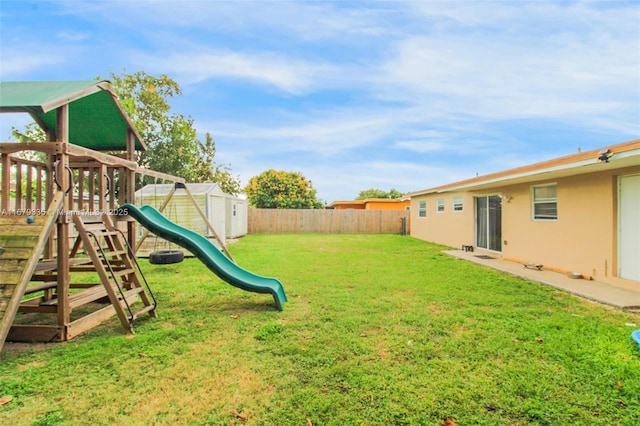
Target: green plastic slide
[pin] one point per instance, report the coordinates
(206, 252)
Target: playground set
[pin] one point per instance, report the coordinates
(67, 208)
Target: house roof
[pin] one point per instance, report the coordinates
(366, 201)
(618, 156)
(96, 118)
(348, 203)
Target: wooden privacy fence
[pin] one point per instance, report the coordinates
(312, 221)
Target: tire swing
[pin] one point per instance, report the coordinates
(167, 256)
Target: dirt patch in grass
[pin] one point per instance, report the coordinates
(18, 347)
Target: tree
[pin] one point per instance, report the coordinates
(176, 151)
(173, 146)
(274, 189)
(378, 193)
(144, 98)
(209, 171)
(172, 140)
(31, 133)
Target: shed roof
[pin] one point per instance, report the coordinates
(96, 118)
(618, 156)
(163, 189)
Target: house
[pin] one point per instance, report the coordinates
(579, 213)
(372, 204)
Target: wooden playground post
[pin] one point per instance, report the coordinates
(131, 186)
(6, 181)
(63, 180)
(50, 250)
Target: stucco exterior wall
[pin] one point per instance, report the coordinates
(450, 228)
(386, 205)
(583, 238)
(344, 205)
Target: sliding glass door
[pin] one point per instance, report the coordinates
(489, 222)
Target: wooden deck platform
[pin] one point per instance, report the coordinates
(22, 242)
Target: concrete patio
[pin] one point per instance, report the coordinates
(625, 294)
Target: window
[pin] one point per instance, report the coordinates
(440, 205)
(545, 202)
(457, 203)
(422, 209)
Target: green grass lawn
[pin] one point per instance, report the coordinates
(378, 330)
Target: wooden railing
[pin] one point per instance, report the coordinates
(97, 182)
(94, 182)
(26, 189)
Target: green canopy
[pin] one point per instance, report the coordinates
(96, 118)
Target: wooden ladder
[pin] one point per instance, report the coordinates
(116, 264)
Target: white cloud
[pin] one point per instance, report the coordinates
(421, 146)
(73, 36)
(497, 79)
(322, 138)
(500, 62)
(16, 62)
(272, 69)
(299, 21)
(467, 14)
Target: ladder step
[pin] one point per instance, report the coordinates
(90, 218)
(93, 226)
(114, 261)
(135, 290)
(115, 253)
(123, 272)
(102, 232)
(128, 293)
(143, 311)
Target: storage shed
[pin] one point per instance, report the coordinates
(236, 220)
(226, 213)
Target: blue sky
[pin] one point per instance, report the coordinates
(357, 94)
